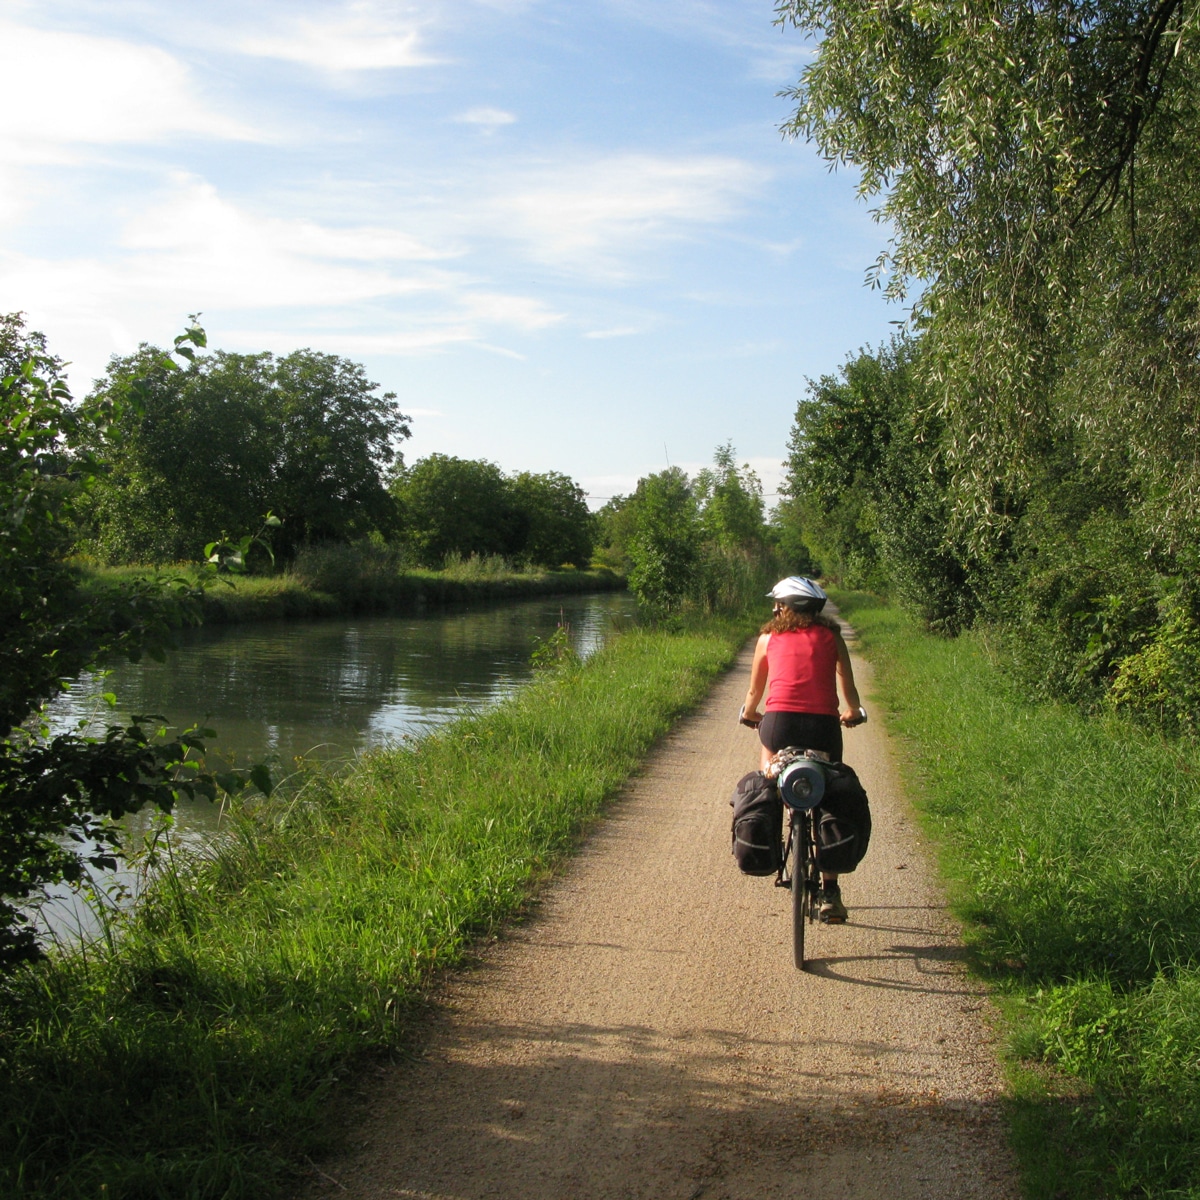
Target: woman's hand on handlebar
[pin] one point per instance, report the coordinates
(753, 720)
(853, 716)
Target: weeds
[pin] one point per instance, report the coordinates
(367, 577)
(195, 1054)
(1073, 849)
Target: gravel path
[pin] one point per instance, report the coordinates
(644, 1033)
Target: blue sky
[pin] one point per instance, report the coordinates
(569, 236)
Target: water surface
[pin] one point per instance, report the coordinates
(327, 689)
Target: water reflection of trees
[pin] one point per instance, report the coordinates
(286, 687)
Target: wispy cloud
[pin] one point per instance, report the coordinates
(486, 119)
(741, 26)
(355, 37)
(621, 331)
(62, 89)
(596, 214)
(356, 289)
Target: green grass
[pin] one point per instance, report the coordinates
(342, 580)
(1072, 849)
(196, 1054)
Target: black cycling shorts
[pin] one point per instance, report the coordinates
(807, 731)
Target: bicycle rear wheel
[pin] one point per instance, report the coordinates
(801, 889)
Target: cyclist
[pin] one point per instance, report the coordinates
(798, 662)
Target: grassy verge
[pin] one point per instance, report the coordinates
(336, 585)
(1072, 847)
(195, 1055)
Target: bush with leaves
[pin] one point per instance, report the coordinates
(469, 508)
(665, 551)
(558, 526)
(731, 502)
(457, 506)
(867, 481)
(71, 788)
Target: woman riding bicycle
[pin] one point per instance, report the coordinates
(798, 661)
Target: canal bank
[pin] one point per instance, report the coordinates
(218, 1023)
(344, 581)
(303, 694)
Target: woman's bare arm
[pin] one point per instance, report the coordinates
(758, 679)
(845, 673)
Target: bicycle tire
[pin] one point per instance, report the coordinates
(801, 891)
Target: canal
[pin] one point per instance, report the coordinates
(327, 690)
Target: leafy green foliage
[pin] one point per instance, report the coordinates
(51, 629)
(469, 508)
(665, 551)
(615, 527)
(700, 544)
(1002, 138)
(457, 505)
(555, 653)
(246, 984)
(232, 436)
(867, 475)
(1032, 161)
(731, 502)
(559, 527)
(1073, 844)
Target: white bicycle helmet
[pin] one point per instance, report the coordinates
(799, 593)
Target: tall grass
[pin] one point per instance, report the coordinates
(1073, 849)
(195, 1054)
(364, 577)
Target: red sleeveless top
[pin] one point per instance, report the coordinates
(802, 671)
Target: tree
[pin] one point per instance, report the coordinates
(615, 529)
(665, 551)
(337, 438)
(61, 797)
(460, 506)
(867, 476)
(731, 502)
(559, 527)
(1033, 161)
(212, 447)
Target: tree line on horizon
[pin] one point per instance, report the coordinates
(190, 454)
(193, 453)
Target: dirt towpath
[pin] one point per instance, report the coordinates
(644, 1033)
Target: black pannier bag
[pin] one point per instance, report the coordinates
(757, 825)
(843, 820)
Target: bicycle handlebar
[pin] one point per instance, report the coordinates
(751, 723)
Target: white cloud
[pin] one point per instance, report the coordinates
(359, 37)
(588, 214)
(60, 88)
(620, 331)
(238, 259)
(774, 55)
(195, 221)
(487, 119)
(195, 249)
